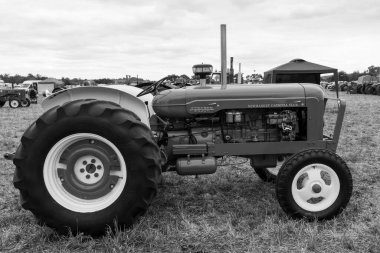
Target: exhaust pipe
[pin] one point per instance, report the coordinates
(223, 56)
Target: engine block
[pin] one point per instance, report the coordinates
(260, 125)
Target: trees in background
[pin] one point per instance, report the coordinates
(343, 76)
(16, 79)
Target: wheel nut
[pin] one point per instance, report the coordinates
(82, 170)
(99, 167)
(84, 162)
(96, 174)
(88, 176)
(93, 160)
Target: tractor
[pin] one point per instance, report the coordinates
(93, 160)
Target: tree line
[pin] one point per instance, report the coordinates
(17, 79)
(349, 77)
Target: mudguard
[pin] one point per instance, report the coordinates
(123, 95)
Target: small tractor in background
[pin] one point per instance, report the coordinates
(94, 158)
(368, 85)
(15, 97)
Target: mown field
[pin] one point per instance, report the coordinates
(229, 211)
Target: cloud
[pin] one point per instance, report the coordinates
(98, 38)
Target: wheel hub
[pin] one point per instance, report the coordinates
(312, 191)
(316, 188)
(89, 172)
(89, 169)
(85, 172)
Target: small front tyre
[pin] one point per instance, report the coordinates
(25, 103)
(87, 166)
(315, 184)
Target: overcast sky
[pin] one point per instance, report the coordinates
(113, 38)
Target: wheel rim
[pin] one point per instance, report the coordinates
(315, 187)
(84, 172)
(14, 103)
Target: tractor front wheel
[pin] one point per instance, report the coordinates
(315, 184)
(87, 166)
(14, 103)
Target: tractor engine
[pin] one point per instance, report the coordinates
(192, 120)
(241, 126)
(238, 126)
(234, 126)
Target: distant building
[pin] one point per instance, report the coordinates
(298, 71)
(49, 84)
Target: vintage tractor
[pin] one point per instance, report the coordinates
(93, 160)
(15, 97)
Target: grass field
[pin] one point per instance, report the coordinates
(229, 211)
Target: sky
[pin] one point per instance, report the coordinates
(92, 39)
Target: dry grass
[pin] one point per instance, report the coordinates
(229, 211)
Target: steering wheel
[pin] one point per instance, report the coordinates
(153, 87)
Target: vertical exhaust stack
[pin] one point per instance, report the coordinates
(223, 56)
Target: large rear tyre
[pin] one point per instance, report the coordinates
(368, 90)
(266, 174)
(377, 90)
(87, 166)
(315, 184)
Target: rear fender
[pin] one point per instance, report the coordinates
(125, 97)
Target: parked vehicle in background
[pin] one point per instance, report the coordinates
(41, 86)
(31, 89)
(366, 83)
(15, 97)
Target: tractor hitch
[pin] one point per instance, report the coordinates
(9, 156)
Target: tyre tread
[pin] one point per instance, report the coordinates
(94, 108)
(292, 209)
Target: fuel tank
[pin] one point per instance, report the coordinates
(195, 100)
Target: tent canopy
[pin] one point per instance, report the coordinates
(298, 70)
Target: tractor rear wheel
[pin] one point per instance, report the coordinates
(359, 89)
(14, 103)
(315, 184)
(368, 90)
(378, 90)
(87, 166)
(266, 174)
